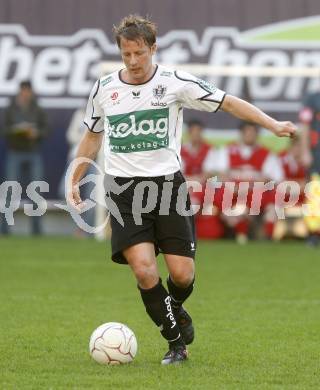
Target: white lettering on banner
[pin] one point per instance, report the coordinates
(55, 71)
(63, 68)
(221, 54)
(296, 84)
(21, 57)
(50, 70)
(83, 59)
(275, 85)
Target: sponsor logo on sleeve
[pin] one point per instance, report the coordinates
(106, 81)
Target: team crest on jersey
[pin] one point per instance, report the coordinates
(159, 92)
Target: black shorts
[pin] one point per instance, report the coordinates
(134, 220)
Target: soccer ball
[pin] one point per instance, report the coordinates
(113, 343)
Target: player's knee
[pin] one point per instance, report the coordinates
(183, 276)
(146, 274)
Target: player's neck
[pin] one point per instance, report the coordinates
(252, 146)
(196, 145)
(127, 77)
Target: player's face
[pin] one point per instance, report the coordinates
(249, 135)
(137, 57)
(25, 95)
(195, 134)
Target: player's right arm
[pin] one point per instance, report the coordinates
(88, 149)
(89, 145)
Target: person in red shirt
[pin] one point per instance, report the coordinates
(246, 161)
(196, 155)
(293, 167)
(195, 152)
(294, 170)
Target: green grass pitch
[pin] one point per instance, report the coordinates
(255, 308)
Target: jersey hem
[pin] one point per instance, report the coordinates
(222, 100)
(91, 130)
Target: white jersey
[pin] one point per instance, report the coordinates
(143, 122)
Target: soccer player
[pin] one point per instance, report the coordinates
(139, 110)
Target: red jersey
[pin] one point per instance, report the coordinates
(293, 170)
(246, 166)
(193, 162)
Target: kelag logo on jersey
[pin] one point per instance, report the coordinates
(139, 131)
(63, 68)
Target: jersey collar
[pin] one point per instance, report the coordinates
(125, 82)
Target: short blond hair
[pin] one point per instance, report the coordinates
(135, 28)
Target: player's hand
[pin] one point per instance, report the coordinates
(74, 199)
(32, 133)
(284, 129)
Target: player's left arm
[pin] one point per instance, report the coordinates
(246, 111)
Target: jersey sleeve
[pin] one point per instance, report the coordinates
(94, 117)
(198, 94)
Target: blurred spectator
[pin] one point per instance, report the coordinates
(74, 133)
(293, 168)
(25, 126)
(310, 121)
(293, 225)
(246, 161)
(196, 155)
(195, 152)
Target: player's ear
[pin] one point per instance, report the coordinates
(153, 48)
